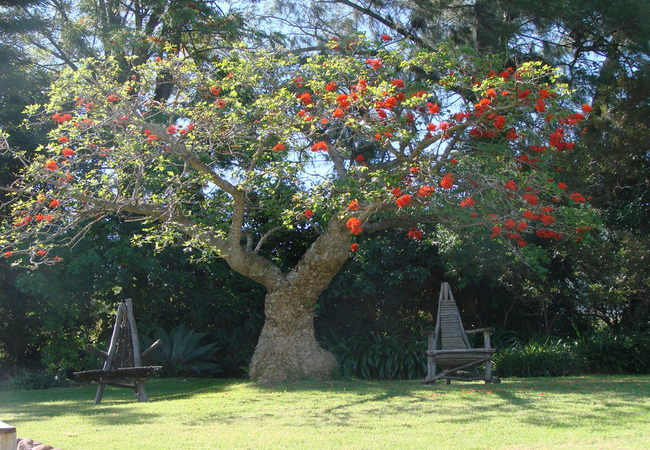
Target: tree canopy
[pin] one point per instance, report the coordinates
(360, 138)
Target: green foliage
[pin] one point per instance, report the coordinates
(23, 379)
(381, 356)
(546, 358)
(598, 353)
(181, 352)
(607, 352)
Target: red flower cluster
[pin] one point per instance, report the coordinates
(320, 146)
(51, 165)
(447, 181)
(425, 191)
(354, 205)
(577, 197)
(403, 200)
(354, 225)
(279, 146)
(374, 63)
(60, 118)
(415, 234)
(354, 247)
(308, 213)
(467, 203)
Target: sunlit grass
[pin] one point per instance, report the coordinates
(585, 412)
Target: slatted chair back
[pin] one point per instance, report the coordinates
(449, 326)
(124, 356)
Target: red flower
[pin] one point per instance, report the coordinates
(54, 203)
(331, 86)
(433, 108)
(320, 146)
(522, 243)
(399, 84)
(531, 199)
(359, 158)
(468, 202)
(7, 254)
(474, 215)
(396, 192)
(495, 231)
(540, 106)
(305, 99)
(374, 63)
(39, 217)
(587, 108)
(215, 90)
(512, 135)
(64, 139)
(51, 165)
(425, 191)
(578, 198)
(386, 37)
(308, 213)
(279, 146)
(511, 185)
(354, 205)
(354, 225)
(338, 112)
(403, 200)
(112, 98)
(509, 224)
(354, 247)
(528, 215)
(171, 130)
(414, 234)
(447, 181)
(41, 253)
(522, 226)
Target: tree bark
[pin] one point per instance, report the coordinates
(287, 348)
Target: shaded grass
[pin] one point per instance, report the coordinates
(581, 412)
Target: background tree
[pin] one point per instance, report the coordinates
(330, 146)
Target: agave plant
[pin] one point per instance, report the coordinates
(181, 352)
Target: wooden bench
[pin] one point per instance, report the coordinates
(123, 361)
(7, 437)
(448, 346)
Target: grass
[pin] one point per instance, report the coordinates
(582, 412)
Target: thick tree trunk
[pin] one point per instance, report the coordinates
(287, 348)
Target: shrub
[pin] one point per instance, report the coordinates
(610, 353)
(550, 358)
(180, 353)
(24, 379)
(381, 356)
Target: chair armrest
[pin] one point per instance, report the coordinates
(480, 330)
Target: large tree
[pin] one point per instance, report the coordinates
(263, 144)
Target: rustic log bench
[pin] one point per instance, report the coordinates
(123, 361)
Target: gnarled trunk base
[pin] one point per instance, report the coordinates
(285, 356)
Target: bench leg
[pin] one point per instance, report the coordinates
(100, 394)
(140, 393)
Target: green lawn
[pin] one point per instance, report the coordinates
(584, 412)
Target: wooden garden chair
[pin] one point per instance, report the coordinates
(123, 360)
(457, 359)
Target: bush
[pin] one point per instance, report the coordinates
(381, 356)
(23, 379)
(551, 358)
(180, 353)
(610, 353)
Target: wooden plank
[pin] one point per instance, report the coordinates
(137, 355)
(7, 437)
